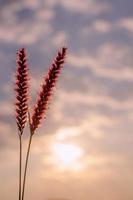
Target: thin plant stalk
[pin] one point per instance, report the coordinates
(21, 103)
(41, 105)
(26, 164)
(20, 165)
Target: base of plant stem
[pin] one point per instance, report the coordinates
(26, 164)
(20, 165)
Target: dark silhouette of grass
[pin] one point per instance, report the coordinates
(40, 108)
(46, 90)
(21, 88)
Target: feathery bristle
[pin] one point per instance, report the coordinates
(21, 90)
(46, 90)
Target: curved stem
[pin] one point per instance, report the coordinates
(26, 163)
(20, 165)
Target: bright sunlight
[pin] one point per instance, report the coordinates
(68, 155)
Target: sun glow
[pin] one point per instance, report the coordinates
(68, 155)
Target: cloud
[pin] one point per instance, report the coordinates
(126, 23)
(92, 99)
(60, 39)
(39, 17)
(96, 142)
(98, 26)
(103, 26)
(91, 7)
(6, 108)
(87, 7)
(109, 60)
(25, 32)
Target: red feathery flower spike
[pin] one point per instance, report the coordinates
(46, 90)
(21, 90)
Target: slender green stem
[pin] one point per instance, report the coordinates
(26, 164)
(20, 164)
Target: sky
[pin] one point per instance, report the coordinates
(84, 149)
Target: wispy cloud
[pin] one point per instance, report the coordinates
(126, 23)
(38, 23)
(88, 7)
(110, 61)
